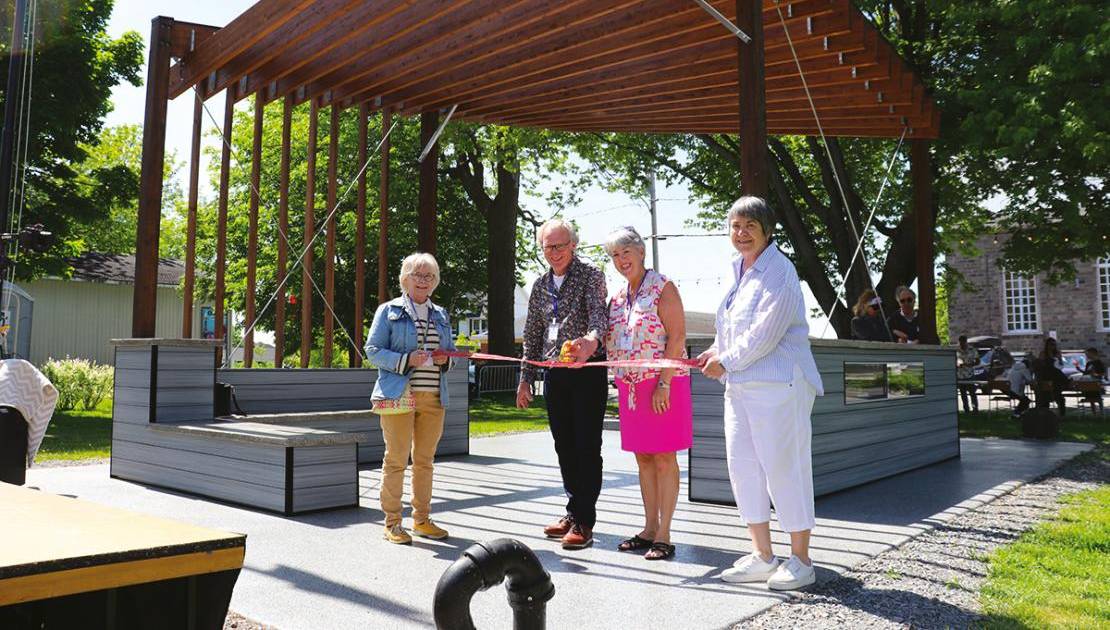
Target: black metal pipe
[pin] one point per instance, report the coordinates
(485, 565)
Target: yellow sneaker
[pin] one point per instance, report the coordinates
(428, 529)
(397, 535)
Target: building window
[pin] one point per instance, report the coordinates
(477, 325)
(1020, 297)
(1104, 294)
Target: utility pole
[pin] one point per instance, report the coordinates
(654, 229)
(7, 140)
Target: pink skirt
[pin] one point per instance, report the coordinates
(644, 431)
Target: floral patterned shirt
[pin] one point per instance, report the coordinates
(581, 311)
(639, 320)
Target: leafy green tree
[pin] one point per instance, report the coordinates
(492, 163)
(118, 150)
(76, 65)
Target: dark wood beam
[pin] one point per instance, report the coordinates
(426, 206)
(754, 178)
(145, 299)
(261, 19)
(360, 237)
(921, 176)
(383, 212)
(329, 256)
(221, 220)
(309, 231)
(191, 221)
(252, 230)
(283, 231)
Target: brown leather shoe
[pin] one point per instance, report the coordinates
(579, 537)
(559, 528)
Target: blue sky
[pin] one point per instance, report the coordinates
(699, 266)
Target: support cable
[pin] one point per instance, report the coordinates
(836, 178)
(717, 15)
(23, 137)
(437, 134)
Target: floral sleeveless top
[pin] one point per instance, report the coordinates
(638, 320)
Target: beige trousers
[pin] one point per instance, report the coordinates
(416, 434)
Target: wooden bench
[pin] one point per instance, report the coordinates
(67, 563)
(282, 468)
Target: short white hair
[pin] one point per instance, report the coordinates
(625, 236)
(557, 224)
(417, 261)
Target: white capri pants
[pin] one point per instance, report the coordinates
(767, 443)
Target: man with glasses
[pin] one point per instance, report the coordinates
(568, 304)
(903, 324)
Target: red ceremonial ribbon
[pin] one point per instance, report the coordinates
(658, 364)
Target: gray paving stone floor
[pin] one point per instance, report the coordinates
(332, 569)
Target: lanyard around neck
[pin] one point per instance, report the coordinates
(630, 299)
(423, 340)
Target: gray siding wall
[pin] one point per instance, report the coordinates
(852, 444)
(181, 378)
(78, 319)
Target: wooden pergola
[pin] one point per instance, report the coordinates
(650, 66)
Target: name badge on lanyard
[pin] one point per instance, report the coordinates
(553, 327)
(624, 337)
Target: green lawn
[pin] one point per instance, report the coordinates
(497, 413)
(1075, 427)
(1056, 575)
(78, 434)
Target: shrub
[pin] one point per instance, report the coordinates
(80, 382)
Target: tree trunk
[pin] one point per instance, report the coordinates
(501, 230)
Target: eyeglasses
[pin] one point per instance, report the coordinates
(557, 247)
(426, 277)
(908, 300)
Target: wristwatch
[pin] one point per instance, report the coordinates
(663, 384)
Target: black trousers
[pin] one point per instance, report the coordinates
(576, 410)
(966, 392)
(13, 447)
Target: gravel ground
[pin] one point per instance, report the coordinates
(933, 580)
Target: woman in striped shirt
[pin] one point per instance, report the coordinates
(405, 332)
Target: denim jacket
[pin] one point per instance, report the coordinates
(392, 337)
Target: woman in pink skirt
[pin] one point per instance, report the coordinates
(647, 321)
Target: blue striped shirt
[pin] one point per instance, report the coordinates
(762, 331)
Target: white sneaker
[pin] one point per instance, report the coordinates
(791, 575)
(750, 568)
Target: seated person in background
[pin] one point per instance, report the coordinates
(1095, 369)
(1046, 367)
(903, 323)
(967, 358)
(1021, 376)
(868, 323)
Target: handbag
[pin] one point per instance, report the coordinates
(395, 406)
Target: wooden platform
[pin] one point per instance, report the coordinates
(55, 547)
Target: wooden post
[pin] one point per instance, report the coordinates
(252, 229)
(921, 175)
(383, 213)
(426, 206)
(360, 236)
(329, 262)
(309, 230)
(145, 299)
(753, 101)
(191, 220)
(221, 221)
(283, 231)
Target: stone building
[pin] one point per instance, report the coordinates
(1022, 311)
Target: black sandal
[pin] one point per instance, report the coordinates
(660, 551)
(636, 543)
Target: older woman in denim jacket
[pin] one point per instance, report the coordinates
(403, 335)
